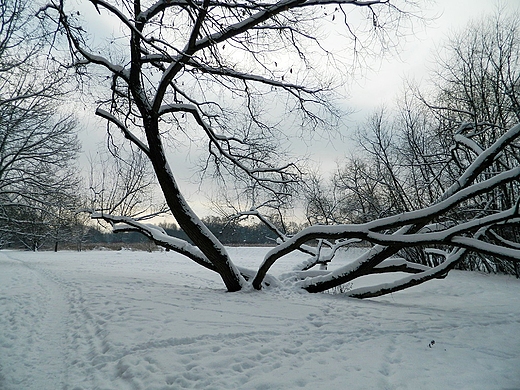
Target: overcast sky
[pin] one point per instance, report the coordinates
(381, 85)
(378, 86)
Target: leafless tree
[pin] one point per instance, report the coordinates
(122, 183)
(414, 156)
(221, 71)
(478, 84)
(322, 205)
(38, 146)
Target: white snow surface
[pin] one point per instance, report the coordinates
(138, 320)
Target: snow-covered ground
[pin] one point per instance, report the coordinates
(134, 320)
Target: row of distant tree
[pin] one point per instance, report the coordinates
(79, 235)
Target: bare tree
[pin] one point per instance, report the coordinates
(478, 84)
(215, 70)
(477, 79)
(322, 205)
(122, 183)
(414, 156)
(38, 146)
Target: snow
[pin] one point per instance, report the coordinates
(138, 320)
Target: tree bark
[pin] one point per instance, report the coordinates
(185, 217)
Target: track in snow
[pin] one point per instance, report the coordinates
(128, 320)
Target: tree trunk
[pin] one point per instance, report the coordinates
(186, 218)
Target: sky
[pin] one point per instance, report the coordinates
(378, 86)
(382, 84)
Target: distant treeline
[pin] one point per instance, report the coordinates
(85, 236)
(229, 233)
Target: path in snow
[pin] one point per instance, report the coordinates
(34, 323)
(130, 320)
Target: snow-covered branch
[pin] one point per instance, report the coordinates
(483, 161)
(503, 241)
(369, 231)
(254, 212)
(73, 35)
(409, 281)
(157, 235)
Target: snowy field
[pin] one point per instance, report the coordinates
(134, 320)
